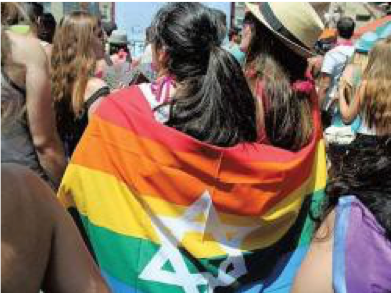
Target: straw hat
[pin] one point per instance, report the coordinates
(295, 23)
(118, 37)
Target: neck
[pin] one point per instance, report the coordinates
(162, 72)
(343, 40)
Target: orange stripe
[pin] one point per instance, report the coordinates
(152, 169)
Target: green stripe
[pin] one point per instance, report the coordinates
(125, 257)
(308, 229)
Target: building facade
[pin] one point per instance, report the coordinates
(106, 10)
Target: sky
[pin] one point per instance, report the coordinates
(135, 17)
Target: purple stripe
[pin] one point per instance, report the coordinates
(368, 253)
(340, 229)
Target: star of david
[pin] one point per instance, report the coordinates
(178, 228)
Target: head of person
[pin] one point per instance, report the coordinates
(234, 35)
(47, 27)
(212, 101)
(277, 39)
(13, 13)
(77, 44)
(118, 41)
(365, 173)
(345, 27)
(34, 11)
(376, 107)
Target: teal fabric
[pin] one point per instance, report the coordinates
(235, 51)
(384, 31)
(366, 42)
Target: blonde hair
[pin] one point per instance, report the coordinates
(376, 98)
(361, 60)
(73, 62)
(12, 13)
(349, 83)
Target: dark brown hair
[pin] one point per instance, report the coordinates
(213, 102)
(287, 118)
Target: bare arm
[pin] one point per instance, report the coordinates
(69, 251)
(42, 245)
(315, 273)
(350, 112)
(40, 113)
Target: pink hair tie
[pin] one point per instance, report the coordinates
(303, 86)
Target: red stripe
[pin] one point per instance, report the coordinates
(250, 188)
(129, 109)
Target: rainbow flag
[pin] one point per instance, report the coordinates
(167, 213)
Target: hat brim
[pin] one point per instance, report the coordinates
(254, 9)
(119, 43)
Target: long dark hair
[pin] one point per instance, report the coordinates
(213, 102)
(287, 116)
(365, 173)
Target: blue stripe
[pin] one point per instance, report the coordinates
(281, 279)
(117, 286)
(341, 225)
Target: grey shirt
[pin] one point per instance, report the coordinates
(16, 141)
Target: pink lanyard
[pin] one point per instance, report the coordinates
(158, 86)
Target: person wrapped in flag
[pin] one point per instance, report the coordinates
(175, 188)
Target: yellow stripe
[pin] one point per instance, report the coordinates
(316, 182)
(110, 204)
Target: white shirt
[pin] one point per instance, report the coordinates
(334, 63)
(163, 113)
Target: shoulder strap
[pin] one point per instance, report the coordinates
(103, 91)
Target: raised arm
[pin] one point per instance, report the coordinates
(350, 111)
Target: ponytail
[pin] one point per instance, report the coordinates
(213, 102)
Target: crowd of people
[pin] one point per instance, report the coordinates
(257, 164)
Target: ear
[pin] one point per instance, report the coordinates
(162, 56)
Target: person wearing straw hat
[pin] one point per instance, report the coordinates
(118, 46)
(277, 39)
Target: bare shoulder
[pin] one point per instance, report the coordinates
(22, 184)
(27, 50)
(315, 273)
(93, 85)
